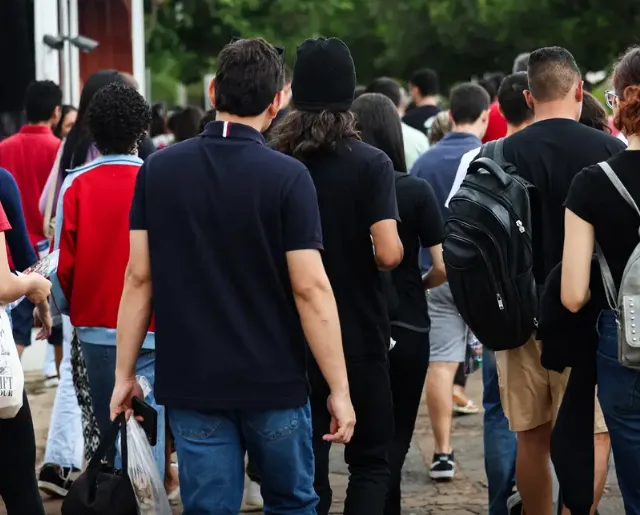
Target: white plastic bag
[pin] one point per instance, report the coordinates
(11, 374)
(145, 478)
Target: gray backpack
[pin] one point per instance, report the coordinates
(627, 301)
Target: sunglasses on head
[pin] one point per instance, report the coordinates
(280, 49)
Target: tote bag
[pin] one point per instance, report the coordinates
(11, 374)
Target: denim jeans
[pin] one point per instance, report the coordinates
(619, 396)
(101, 367)
(211, 447)
(500, 445)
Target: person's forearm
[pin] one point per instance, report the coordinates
(13, 287)
(321, 325)
(134, 317)
(433, 278)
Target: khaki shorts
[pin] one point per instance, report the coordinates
(530, 394)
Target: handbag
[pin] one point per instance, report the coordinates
(11, 373)
(102, 489)
(49, 221)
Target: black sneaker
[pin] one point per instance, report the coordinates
(443, 467)
(54, 480)
(514, 503)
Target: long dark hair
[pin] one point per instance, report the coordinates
(302, 134)
(64, 111)
(379, 125)
(78, 140)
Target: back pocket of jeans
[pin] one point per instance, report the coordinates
(275, 424)
(193, 425)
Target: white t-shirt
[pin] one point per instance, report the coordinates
(462, 172)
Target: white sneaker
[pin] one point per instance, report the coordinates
(51, 381)
(253, 498)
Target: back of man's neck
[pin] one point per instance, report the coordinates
(467, 129)
(554, 110)
(39, 124)
(427, 101)
(512, 129)
(254, 122)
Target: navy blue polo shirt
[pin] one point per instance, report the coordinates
(439, 167)
(221, 211)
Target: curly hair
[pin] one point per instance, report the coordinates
(302, 134)
(118, 119)
(626, 82)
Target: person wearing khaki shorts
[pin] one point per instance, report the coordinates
(531, 397)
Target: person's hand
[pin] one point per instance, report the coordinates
(343, 418)
(39, 288)
(43, 319)
(123, 393)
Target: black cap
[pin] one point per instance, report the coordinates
(324, 76)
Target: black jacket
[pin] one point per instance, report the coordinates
(571, 340)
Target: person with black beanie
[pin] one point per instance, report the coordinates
(357, 199)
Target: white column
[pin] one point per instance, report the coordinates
(45, 18)
(138, 45)
(74, 54)
(65, 56)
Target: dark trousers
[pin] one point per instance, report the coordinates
(18, 482)
(366, 454)
(460, 378)
(408, 363)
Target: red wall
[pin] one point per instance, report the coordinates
(109, 22)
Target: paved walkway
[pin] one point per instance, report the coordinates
(466, 495)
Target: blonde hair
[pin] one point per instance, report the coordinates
(440, 125)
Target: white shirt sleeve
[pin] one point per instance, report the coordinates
(462, 172)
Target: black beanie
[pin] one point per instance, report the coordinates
(324, 76)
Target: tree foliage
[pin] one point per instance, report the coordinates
(459, 38)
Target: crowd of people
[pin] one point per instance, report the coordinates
(274, 268)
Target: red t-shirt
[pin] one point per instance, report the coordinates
(29, 156)
(4, 223)
(497, 127)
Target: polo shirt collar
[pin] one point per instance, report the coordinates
(36, 129)
(232, 130)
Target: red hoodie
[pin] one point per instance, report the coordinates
(497, 127)
(92, 233)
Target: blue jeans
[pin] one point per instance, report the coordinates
(500, 445)
(211, 448)
(101, 367)
(619, 396)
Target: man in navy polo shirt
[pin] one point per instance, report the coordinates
(225, 241)
(469, 111)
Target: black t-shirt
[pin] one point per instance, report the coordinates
(417, 117)
(420, 226)
(594, 199)
(549, 154)
(355, 186)
(221, 211)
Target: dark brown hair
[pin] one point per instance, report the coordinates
(626, 82)
(302, 133)
(552, 73)
(593, 113)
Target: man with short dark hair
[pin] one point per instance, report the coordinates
(548, 153)
(424, 87)
(415, 141)
(227, 258)
(469, 111)
(29, 156)
(521, 62)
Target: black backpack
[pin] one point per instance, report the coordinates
(386, 278)
(488, 252)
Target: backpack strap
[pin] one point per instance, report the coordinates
(607, 277)
(494, 150)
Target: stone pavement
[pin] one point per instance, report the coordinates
(466, 495)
